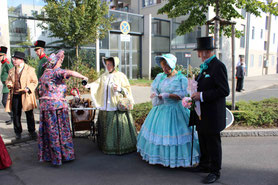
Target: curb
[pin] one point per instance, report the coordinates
(225, 133)
(250, 133)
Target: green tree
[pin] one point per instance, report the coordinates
(197, 10)
(76, 22)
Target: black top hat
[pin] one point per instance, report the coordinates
(39, 44)
(205, 43)
(3, 50)
(18, 54)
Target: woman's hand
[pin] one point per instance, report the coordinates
(88, 86)
(153, 95)
(85, 78)
(116, 88)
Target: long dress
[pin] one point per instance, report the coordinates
(5, 160)
(116, 129)
(55, 139)
(165, 137)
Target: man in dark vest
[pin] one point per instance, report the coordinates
(22, 82)
(6, 66)
(39, 49)
(212, 89)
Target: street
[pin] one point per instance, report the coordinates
(246, 161)
(257, 95)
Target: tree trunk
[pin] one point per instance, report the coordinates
(76, 52)
(216, 28)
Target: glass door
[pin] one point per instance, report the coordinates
(128, 53)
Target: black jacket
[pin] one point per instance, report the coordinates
(213, 82)
(239, 71)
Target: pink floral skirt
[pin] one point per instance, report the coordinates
(55, 139)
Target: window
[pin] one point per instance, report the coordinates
(253, 32)
(243, 13)
(273, 38)
(150, 2)
(242, 39)
(186, 40)
(266, 22)
(272, 60)
(160, 28)
(262, 31)
(44, 33)
(260, 60)
(252, 61)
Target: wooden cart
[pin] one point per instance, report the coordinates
(82, 117)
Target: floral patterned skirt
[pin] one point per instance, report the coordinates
(116, 132)
(55, 139)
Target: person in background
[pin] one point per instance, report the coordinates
(6, 66)
(55, 139)
(213, 88)
(116, 129)
(39, 49)
(22, 82)
(240, 72)
(165, 137)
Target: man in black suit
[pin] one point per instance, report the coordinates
(212, 89)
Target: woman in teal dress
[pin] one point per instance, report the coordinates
(165, 137)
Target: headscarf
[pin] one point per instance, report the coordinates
(53, 59)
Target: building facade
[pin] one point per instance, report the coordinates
(151, 34)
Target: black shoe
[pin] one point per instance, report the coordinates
(211, 178)
(8, 122)
(200, 169)
(33, 135)
(17, 136)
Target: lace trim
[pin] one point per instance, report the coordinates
(173, 163)
(167, 139)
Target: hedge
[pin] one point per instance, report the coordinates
(252, 113)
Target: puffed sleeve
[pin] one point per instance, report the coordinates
(62, 74)
(182, 91)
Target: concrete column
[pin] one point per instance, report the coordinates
(147, 47)
(4, 26)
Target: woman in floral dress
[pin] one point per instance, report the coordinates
(55, 140)
(165, 137)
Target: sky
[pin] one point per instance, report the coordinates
(31, 2)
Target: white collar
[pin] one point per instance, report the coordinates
(21, 66)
